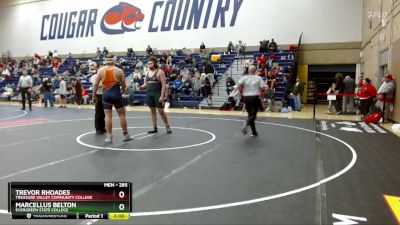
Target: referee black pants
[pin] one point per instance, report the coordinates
(25, 93)
(252, 106)
(99, 116)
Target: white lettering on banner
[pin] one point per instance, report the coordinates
(76, 26)
(347, 220)
(68, 25)
(125, 17)
(172, 9)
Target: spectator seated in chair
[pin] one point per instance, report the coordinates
(234, 97)
(139, 65)
(70, 72)
(196, 84)
(209, 70)
(247, 64)
(169, 60)
(261, 61)
(206, 89)
(187, 85)
(230, 83)
(77, 67)
(178, 83)
(367, 93)
(262, 72)
(56, 62)
(137, 75)
(223, 64)
(189, 59)
(163, 59)
(271, 79)
(204, 57)
(167, 69)
(85, 96)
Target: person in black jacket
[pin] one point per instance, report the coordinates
(298, 89)
(339, 90)
(348, 98)
(149, 50)
(210, 72)
(202, 47)
(47, 91)
(206, 88)
(78, 91)
(273, 47)
(230, 48)
(187, 85)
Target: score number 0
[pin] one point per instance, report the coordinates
(121, 194)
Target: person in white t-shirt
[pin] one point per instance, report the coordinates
(250, 87)
(25, 87)
(63, 93)
(331, 91)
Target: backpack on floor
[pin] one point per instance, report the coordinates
(227, 106)
(373, 117)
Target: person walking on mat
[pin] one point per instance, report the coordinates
(250, 87)
(25, 86)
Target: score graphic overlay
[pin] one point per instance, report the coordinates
(70, 200)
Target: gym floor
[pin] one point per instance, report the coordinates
(298, 171)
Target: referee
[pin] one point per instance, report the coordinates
(25, 87)
(250, 87)
(99, 116)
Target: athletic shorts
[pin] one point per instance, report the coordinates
(112, 97)
(153, 100)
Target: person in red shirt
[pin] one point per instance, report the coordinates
(167, 69)
(271, 80)
(261, 61)
(56, 63)
(85, 95)
(275, 71)
(270, 89)
(367, 93)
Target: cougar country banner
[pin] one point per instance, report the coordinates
(81, 26)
